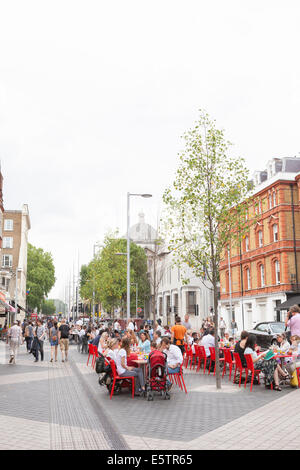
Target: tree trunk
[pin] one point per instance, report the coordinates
(216, 321)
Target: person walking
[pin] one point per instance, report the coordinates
(14, 339)
(63, 338)
(40, 334)
(233, 326)
(222, 326)
(53, 336)
(29, 336)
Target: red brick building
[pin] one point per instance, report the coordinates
(265, 269)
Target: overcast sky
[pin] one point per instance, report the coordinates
(94, 96)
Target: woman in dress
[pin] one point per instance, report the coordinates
(270, 368)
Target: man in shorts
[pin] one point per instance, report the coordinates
(63, 337)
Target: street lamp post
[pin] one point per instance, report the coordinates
(94, 254)
(128, 248)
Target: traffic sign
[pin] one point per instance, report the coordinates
(139, 310)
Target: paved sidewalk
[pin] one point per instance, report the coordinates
(46, 405)
(233, 418)
(61, 406)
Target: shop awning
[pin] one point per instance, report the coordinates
(294, 300)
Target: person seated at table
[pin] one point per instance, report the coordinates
(112, 349)
(157, 337)
(270, 368)
(226, 340)
(174, 357)
(283, 343)
(240, 347)
(196, 341)
(133, 338)
(153, 346)
(127, 371)
(189, 338)
(167, 331)
(144, 343)
(103, 342)
(208, 341)
(231, 342)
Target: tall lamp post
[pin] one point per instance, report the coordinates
(128, 248)
(94, 254)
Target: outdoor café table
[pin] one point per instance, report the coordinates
(142, 363)
(281, 357)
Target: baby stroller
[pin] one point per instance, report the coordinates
(157, 375)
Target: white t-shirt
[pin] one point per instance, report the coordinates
(121, 353)
(174, 355)
(82, 332)
(111, 354)
(117, 326)
(130, 326)
(208, 341)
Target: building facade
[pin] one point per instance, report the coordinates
(16, 225)
(264, 270)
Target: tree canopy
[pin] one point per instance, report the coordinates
(40, 276)
(207, 205)
(107, 274)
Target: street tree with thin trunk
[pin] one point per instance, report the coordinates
(206, 207)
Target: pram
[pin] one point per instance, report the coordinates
(157, 375)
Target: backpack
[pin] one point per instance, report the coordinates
(100, 366)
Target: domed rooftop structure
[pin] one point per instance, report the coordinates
(142, 233)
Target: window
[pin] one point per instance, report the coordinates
(7, 261)
(277, 272)
(248, 279)
(247, 243)
(259, 206)
(262, 276)
(275, 233)
(270, 201)
(8, 225)
(274, 199)
(260, 238)
(7, 242)
(262, 327)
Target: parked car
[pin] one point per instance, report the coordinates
(266, 333)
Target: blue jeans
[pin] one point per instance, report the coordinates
(171, 371)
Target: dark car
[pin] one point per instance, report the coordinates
(266, 333)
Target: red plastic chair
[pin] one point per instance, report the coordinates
(238, 366)
(116, 377)
(250, 367)
(198, 356)
(202, 358)
(95, 355)
(178, 378)
(298, 375)
(228, 360)
(91, 353)
(213, 358)
(187, 356)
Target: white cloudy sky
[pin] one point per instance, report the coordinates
(94, 96)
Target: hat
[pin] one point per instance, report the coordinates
(270, 354)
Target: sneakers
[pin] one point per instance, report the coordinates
(11, 359)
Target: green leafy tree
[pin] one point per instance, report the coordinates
(207, 205)
(48, 307)
(107, 274)
(40, 276)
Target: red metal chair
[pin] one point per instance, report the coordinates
(202, 357)
(127, 381)
(213, 358)
(188, 356)
(250, 367)
(228, 360)
(238, 366)
(178, 378)
(91, 353)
